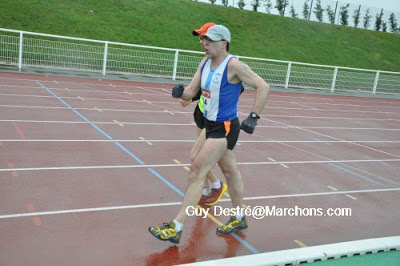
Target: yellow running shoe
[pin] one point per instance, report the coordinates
(166, 232)
(232, 225)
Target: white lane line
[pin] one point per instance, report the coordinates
(17, 215)
(326, 158)
(305, 106)
(331, 118)
(334, 189)
(30, 214)
(95, 140)
(183, 165)
(351, 197)
(320, 194)
(35, 96)
(280, 108)
(270, 115)
(182, 140)
(310, 100)
(335, 138)
(96, 122)
(34, 106)
(192, 123)
(184, 112)
(348, 195)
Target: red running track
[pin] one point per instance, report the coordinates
(88, 165)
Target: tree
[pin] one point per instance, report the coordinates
(293, 13)
(384, 26)
(319, 11)
(241, 4)
(367, 18)
(356, 17)
(268, 6)
(306, 9)
(224, 2)
(212, 1)
(344, 15)
(393, 23)
(378, 20)
(331, 14)
(256, 4)
(281, 5)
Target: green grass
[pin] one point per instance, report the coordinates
(168, 23)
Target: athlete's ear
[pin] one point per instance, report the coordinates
(224, 45)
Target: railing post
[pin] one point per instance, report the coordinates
(375, 82)
(105, 58)
(21, 35)
(288, 75)
(334, 79)
(175, 65)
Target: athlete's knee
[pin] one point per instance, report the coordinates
(229, 170)
(230, 173)
(194, 171)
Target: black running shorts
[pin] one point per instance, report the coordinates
(198, 117)
(229, 130)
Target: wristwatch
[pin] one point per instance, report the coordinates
(254, 115)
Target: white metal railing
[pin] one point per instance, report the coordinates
(21, 48)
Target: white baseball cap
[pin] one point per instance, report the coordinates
(218, 33)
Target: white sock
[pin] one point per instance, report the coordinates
(216, 184)
(206, 191)
(178, 226)
(239, 217)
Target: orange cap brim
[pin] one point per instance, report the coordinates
(203, 30)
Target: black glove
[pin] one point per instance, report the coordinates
(250, 123)
(177, 91)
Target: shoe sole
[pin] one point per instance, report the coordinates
(233, 231)
(158, 237)
(224, 188)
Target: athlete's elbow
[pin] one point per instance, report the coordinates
(263, 86)
(266, 87)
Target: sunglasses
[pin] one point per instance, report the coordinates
(205, 38)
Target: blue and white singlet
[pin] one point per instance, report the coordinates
(220, 97)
